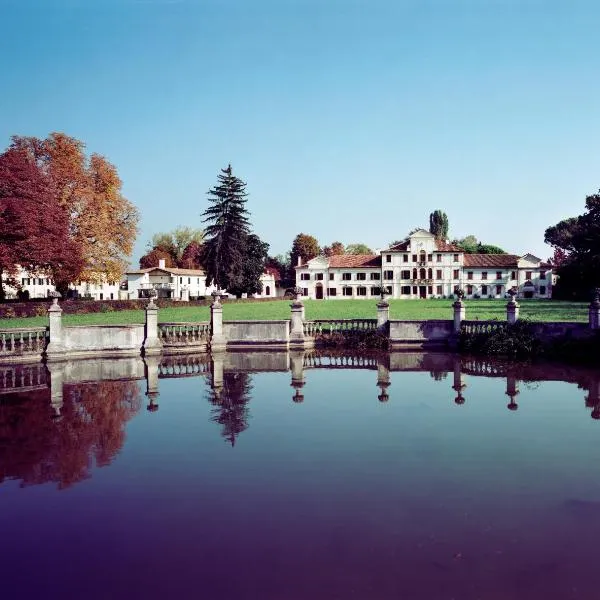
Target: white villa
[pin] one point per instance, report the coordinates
(181, 284)
(423, 267)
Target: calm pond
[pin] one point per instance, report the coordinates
(299, 476)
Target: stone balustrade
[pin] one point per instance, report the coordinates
(184, 334)
(481, 327)
(23, 342)
(328, 326)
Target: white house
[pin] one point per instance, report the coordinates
(423, 267)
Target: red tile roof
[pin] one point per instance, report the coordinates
(354, 261)
(501, 261)
(401, 247)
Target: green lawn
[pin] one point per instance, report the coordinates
(537, 310)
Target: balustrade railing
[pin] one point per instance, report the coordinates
(184, 367)
(474, 366)
(184, 334)
(328, 326)
(481, 327)
(313, 360)
(23, 341)
(22, 377)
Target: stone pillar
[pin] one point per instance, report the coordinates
(217, 367)
(594, 311)
(459, 314)
(57, 374)
(458, 381)
(383, 313)
(383, 381)
(151, 372)
(217, 338)
(512, 390)
(297, 368)
(297, 323)
(512, 310)
(56, 348)
(152, 343)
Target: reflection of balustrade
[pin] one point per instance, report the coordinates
(18, 342)
(334, 361)
(481, 327)
(184, 334)
(22, 377)
(157, 286)
(184, 366)
(323, 326)
(473, 366)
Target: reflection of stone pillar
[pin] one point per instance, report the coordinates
(297, 324)
(152, 344)
(594, 311)
(151, 372)
(216, 368)
(512, 390)
(297, 368)
(383, 381)
(459, 314)
(217, 338)
(383, 313)
(458, 381)
(55, 349)
(57, 374)
(593, 397)
(512, 311)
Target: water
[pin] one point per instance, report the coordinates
(272, 476)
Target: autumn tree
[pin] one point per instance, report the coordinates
(335, 249)
(102, 223)
(358, 249)
(438, 224)
(304, 247)
(191, 256)
(151, 258)
(175, 242)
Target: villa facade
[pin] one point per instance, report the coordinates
(424, 267)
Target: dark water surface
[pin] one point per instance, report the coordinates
(384, 478)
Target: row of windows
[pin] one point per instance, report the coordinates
(345, 276)
(35, 281)
(421, 274)
(421, 257)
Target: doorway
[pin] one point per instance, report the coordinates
(319, 292)
(422, 291)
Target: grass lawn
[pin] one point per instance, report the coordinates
(536, 310)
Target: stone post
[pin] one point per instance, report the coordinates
(297, 321)
(512, 309)
(383, 381)
(217, 338)
(512, 391)
(458, 384)
(297, 368)
(56, 348)
(383, 312)
(594, 311)
(459, 311)
(152, 343)
(151, 373)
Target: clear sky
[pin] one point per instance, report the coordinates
(350, 120)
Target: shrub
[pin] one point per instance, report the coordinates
(514, 341)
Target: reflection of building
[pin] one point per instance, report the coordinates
(180, 284)
(423, 267)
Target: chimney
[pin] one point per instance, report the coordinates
(299, 260)
(161, 263)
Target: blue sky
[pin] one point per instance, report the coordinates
(349, 120)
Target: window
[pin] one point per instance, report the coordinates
(484, 275)
(439, 290)
(361, 291)
(346, 276)
(456, 274)
(498, 274)
(388, 258)
(101, 296)
(484, 290)
(513, 275)
(189, 280)
(438, 274)
(361, 277)
(112, 296)
(430, 257)
(470, 290)
(470, 275)
(438, 258)
(430, 289)
(405, 290)
(347, 291)
(375, 276)
(542, 290)
(415, 289)
(498, 290)
(331, 291)
(388, 290)
(405, 258)
(414, 258)
(331, 276)
(305, 291)
(542, 274)
(388, 274)
(267, 290)
(23, 281)
(181, 280)
(198, 280)
(527, 274)
(375, 291)
(405, 274)
(455, 258)
(319, 276)
(304, 276)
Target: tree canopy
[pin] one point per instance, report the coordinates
(471, 245)
(358, 249)
(177, 241)
(438, 224)
(335, 249)
(305, 247)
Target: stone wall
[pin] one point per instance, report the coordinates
(420, 333)
(258, 334)
(113, 340)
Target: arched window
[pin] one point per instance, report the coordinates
(268, 290)
(429, 273)
(414, 274)
(422, 274)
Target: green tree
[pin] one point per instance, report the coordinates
(335, 249)
(438, 224)
(175, 242)
(255, 257)
(304, 246)
(471, 245)
(358, 249)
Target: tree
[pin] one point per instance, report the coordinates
(471, 245)
(151, 259)
(304, 247)
(226, 233)
(190, 257)
(34, 228)
(335, 249)
(438, 224)
(253, 267)
(358, 249)
(175, 242)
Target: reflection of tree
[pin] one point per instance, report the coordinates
(36, 448)
(438, 375)
(230, 402)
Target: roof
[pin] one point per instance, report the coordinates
(401, 247)
(443, 246)
(172, 270)
(354, 261)
(491, 260)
